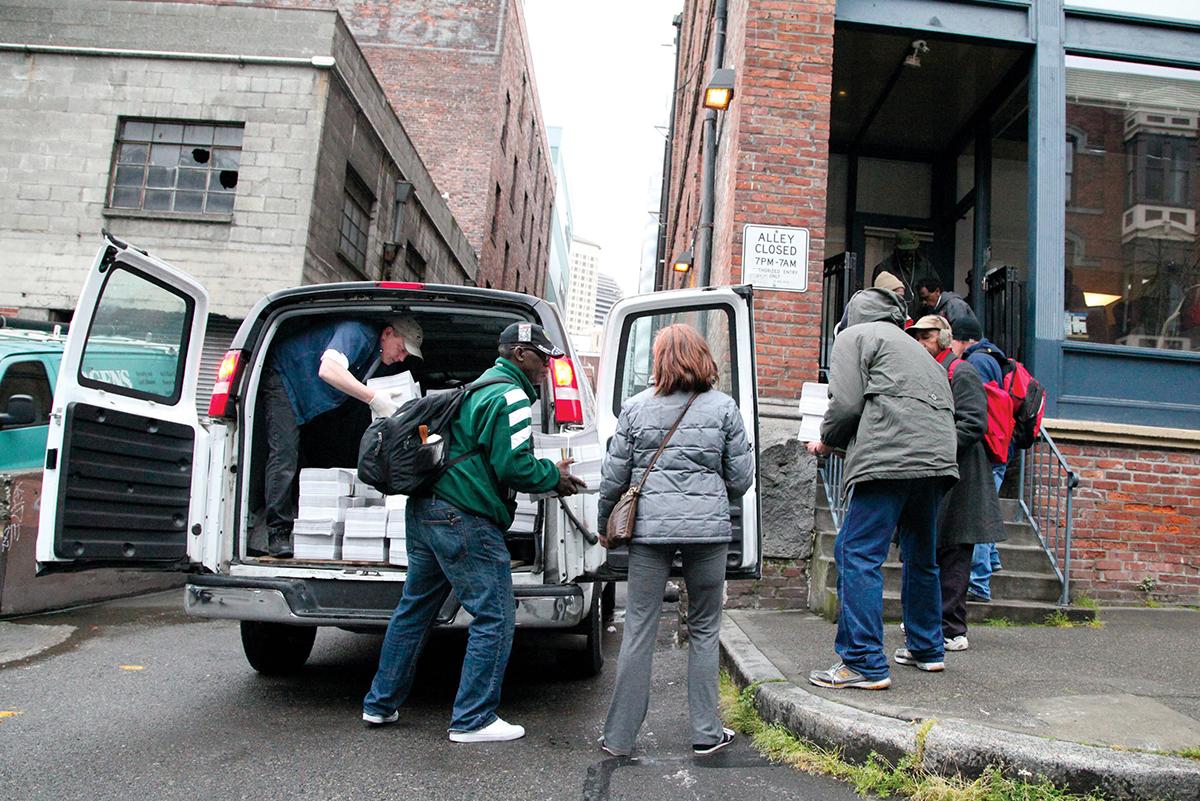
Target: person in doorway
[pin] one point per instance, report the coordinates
(684, 508)
(885, 394)
(969, 343)
(970, 512)
(908, 264)
(309, 373)
(942, 303)
(455, 541)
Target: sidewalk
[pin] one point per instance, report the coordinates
(1014, 697)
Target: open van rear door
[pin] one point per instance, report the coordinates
(126, 457)
(724, 316)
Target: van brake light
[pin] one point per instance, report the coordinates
(568, 404)
(399, 285)
(219, 405)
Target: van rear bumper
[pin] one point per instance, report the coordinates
(355, 604)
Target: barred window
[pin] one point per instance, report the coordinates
(170, 166)
(356, 220)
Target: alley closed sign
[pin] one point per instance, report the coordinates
(775, 257)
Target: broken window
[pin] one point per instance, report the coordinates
(167, 166)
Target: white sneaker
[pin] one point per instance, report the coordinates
(375, 719)
(958, 643)
(495, 732)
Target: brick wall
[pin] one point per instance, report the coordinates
(447, 68)
(784, 585)
(772, 162)
(1137, 518)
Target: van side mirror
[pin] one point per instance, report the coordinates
(20, 412)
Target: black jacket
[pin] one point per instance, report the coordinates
(970, 511)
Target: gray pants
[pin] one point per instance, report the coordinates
(649, 568)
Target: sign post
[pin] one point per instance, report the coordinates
(775, 257)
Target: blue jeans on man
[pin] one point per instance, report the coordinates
(986, 558)
(877, 509)
(449, 548)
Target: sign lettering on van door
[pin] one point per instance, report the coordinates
(775, 257)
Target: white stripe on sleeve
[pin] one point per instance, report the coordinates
(517, 415)
(515, 396)
(520, 437)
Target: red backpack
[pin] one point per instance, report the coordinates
(1028, 402)
(1000, 418)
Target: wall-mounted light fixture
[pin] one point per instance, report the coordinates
(403, 193)
(683, 262)
(719, 92)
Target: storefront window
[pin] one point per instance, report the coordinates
(1132, 253)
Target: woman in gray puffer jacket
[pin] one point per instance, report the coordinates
(684, 507)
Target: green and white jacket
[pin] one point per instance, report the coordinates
(497, 419)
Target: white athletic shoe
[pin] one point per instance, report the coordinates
(958, 643)
(495, 732)
(375, 719)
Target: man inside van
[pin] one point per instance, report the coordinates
(455, 541)
(309, 373)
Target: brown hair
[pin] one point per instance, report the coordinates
(682, 361)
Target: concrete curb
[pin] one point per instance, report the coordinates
(953, 746)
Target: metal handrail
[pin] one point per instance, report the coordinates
(1047, 484)
(832, 467)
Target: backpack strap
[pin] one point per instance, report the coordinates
(467, 389)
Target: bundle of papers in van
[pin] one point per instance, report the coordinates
(342, 518)
(401, 388)
(582, 446)
(525, 518)
(814, 400)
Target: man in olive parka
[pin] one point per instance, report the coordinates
(885, 394)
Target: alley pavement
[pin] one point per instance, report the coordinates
(139, 700)
(1131, 683)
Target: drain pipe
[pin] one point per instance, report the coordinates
(660, 252)
(708, 174)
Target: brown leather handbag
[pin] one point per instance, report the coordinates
(621, 521)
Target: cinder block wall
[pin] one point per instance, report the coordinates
(1137, 523)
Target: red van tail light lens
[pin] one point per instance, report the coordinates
(219, 406)
(399, 285)
(568, 405)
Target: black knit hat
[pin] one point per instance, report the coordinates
(967, 328)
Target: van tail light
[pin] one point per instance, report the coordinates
(568, 405)
(399, 285)
(220, 406)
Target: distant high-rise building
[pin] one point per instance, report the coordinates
(607, 293)
(581, 299)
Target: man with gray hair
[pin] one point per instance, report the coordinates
(313, 371)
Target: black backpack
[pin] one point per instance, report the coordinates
(391, 456)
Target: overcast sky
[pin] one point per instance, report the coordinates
(603, 71)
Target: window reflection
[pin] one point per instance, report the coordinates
(1132, 259)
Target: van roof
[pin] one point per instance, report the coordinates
(20, 340)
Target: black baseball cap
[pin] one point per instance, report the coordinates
(967, 328)
(530, 335)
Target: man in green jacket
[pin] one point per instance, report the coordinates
(455, 540)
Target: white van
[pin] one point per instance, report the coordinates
(136, 477)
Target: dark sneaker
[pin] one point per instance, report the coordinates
(903, 656)
(979, 599)
(377, 719)
(840, 677)
(700, 749)
(279, 543)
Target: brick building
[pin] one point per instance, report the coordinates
(461, 78)
(252, 147)
(1046, 156)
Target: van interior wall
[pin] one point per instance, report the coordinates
(459, 345)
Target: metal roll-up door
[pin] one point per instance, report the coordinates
(221, 331)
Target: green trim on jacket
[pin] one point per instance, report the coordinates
(498, 420)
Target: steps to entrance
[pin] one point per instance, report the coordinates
(1025, 590)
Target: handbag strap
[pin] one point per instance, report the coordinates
(666, 439)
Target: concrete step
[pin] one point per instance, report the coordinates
(1021, 554)
(1023, 612)
(1014, 584)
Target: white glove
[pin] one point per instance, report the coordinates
(382, 405)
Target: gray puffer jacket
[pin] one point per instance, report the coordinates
(885, 393)
(707, 462)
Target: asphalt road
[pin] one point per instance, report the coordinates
(142, 702)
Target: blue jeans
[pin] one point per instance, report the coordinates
(448, 548)
(986, 558)
(877, 508)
